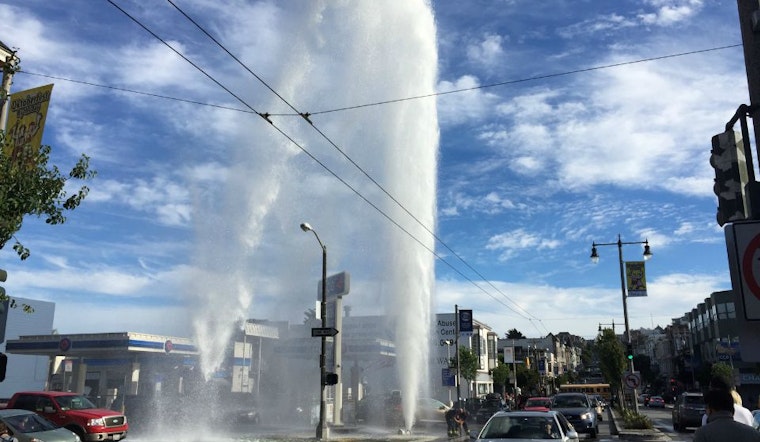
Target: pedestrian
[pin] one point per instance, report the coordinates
(5, 433)
(461, 420)
(741, 413)
(451, 426)
(721, 425)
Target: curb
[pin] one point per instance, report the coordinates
(652, 434)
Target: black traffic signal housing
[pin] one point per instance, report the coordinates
(730, 164)
(3, 365)
(629, 352)
(331, 378)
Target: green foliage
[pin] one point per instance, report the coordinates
(500, 374)
(527, 378)
(635, 421)
(723, 371)
(515, 334)
(611, 355)
(29, 186)
(468, 363)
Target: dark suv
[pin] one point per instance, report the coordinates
(688, 411)
(578, 410)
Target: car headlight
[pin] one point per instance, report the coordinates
(586, 416)
(97, 422)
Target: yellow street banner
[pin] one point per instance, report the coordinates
(26, 120)
(636, 276)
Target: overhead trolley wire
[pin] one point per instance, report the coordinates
(341, 151)
(324, 166)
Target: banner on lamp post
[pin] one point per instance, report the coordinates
(509, 355)
(636, 277)
(26, 121)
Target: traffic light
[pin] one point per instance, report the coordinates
(730, 166)
(3, 277)
(629, 352)
(331, 378)
(3, 365)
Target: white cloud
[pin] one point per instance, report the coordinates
(488, 52)
(462, 107)
(669, 12)
(511, 243)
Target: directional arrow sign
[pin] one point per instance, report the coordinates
(323, 331)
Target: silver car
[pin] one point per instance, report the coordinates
(527, 426)
(28, 426)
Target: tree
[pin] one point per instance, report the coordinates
(612, 362)
(468, 364)
(527, 379)
(500, 375)
(28, 186)
(722, 371)
(515, 334)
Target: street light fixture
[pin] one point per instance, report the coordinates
(321, 426)
(595, 259)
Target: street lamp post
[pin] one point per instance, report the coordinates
(321, 426)
(448, 343)
(595, 259)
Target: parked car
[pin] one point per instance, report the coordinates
(528, 425)
(387, 409)
(576, 407)
(28, 426)
(688, 411)
(488, 406)
(656, 402)
(73, 412)
(537, 404)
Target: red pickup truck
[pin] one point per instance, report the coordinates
(75, 413)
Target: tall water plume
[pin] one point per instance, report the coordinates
(253, 260)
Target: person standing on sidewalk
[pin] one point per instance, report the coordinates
(721, 425)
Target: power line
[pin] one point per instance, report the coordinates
(266, 117)
(306, 116)
(341, 151)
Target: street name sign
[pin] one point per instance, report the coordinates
(323, 331)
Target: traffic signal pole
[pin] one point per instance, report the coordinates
(749, 22)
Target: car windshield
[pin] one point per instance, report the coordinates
(521, 427)
(570, 402)
(74, 402)
(29, 423)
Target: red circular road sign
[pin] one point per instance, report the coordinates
(747, 261)
(632, 380)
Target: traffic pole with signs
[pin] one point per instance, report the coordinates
(743, 247)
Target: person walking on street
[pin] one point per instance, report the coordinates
(741, 413)
(721, 425)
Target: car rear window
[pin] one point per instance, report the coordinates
(694, 400)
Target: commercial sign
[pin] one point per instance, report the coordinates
(636, 278)
(465, 322)
(509, 355)
(26, 120)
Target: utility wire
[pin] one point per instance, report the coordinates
(266, 117)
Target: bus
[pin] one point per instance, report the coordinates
(602, 390)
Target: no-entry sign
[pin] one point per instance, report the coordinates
(743, 241)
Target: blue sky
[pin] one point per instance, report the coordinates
(560, 134)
